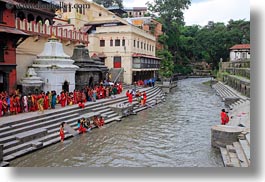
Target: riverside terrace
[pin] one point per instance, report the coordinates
(28, 132)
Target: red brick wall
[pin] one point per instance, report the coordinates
(10, 54)
(12, 81)
(9, 18)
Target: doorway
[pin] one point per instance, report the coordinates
(65, 86)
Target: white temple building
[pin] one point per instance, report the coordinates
(55, 67)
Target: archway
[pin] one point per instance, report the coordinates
(90, 83)
(39, 20)
(47, 22)
(30, 18)
(21, 15)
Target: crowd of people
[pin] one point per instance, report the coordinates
(19, 102)
(147, 82)
(140, 96)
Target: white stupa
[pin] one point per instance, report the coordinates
(55, 67)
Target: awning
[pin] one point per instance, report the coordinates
(86, 28)
(10, 30)
(145, 69)
(135, 55)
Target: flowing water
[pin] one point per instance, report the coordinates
(176, 133)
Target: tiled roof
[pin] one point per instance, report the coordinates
(241, 46)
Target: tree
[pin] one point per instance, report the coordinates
(109, 3)
(167, 64)
(170, 13)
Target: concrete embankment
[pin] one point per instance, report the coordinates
(233, 139)
(27, 132)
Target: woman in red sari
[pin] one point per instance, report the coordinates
(12, 105)
(46, 101)
(144, 98)
(130, 97)
(224, 117)
(63, 99)
(62, 131)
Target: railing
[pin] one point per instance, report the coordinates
(49, 30)
(117, 77)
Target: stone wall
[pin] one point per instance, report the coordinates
(241, 85)
(223, 135)
(244, 72)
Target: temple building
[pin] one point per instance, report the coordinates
(55, 67)
(9, 41)
(91, 71)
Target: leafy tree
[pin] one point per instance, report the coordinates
(170, 13)
(167, 64)
(109, 3)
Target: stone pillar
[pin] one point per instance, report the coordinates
(1, 152)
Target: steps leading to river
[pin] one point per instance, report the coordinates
(231, 98)
(237, 154)
(13, 128)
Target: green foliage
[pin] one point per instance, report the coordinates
(167, 64)
(189, 44)
(109, 3)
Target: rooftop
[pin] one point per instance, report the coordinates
(240, 46)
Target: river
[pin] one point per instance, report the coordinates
(176, 133)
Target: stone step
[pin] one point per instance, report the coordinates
(234, 159)
(240, 154)
(7, 139)
(112, 115)
(18, 153)
(226, 157)
(30, 122)
(10, 144)
(230, 148)
(246, 149)
(16, 148)
(35, 126)
(31, 135)
(248, 138)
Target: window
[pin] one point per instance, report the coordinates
(64, 8)
(102, 43)
(70, 7)
(1, 15)
(117, 62)
(138, 44)
(2, 52)
(141, 45)
(134, 43)
(80, 10)
(117, 42)
(123, 42)
(111, 43)
(144, 46)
